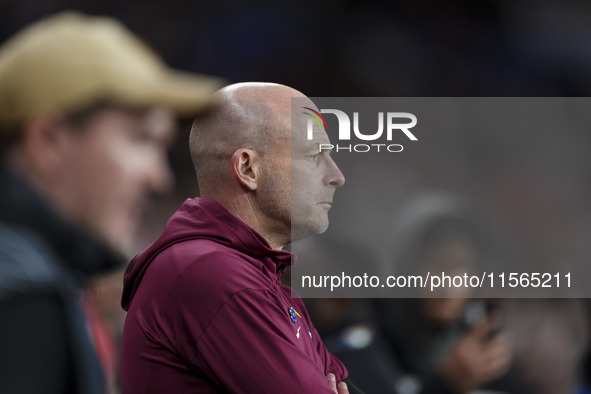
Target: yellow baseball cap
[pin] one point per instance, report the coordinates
(70, 61)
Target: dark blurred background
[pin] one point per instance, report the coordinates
(361, 48)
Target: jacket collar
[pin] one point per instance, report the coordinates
(77, 251)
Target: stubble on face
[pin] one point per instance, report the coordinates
(309, 196)
(294, 194)
(274, 191)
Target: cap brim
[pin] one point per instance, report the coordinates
(185, 94)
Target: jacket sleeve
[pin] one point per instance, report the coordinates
(33, 356)
(249, 346)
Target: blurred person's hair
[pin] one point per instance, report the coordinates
(432, 219)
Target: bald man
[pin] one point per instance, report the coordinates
(207, 311)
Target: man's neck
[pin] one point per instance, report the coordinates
(246, 210)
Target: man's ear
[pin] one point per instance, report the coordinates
(246, 165)
(43, 141)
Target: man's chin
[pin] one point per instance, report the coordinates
(301, 232)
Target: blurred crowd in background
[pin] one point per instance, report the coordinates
(394, 48)
(449, 342)
(361, 47)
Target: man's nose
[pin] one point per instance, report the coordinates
(335, 176)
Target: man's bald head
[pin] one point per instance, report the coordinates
(263, 163)
(247, 115)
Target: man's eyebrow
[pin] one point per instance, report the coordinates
(323, 147)
(311, 144)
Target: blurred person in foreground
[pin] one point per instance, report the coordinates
(86, 118)
(206, 309)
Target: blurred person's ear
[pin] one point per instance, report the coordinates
(45, 140)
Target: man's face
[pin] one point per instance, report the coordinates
(303, 179)
(111, 168)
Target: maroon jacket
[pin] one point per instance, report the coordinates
(208, 314)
